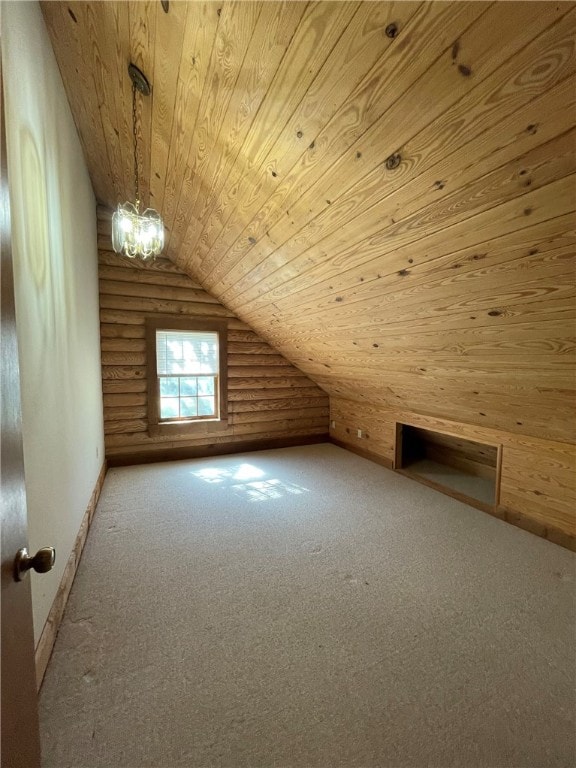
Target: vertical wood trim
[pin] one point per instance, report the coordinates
(52, 625)
(397, 464)
(223, 371)
(152, 383)
(498, 475)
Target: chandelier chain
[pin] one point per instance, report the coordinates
(137, 235)
(134, 118)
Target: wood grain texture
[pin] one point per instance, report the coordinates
(393, 213)
(50, 630)
(537, 478)
(179, 452)
(268, 399)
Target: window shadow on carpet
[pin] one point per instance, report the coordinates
(256, 486)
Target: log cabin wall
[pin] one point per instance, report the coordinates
(384, 191)
(270, 402)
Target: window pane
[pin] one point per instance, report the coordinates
(187, 352)
(206, 406)
(206, 386)
(189, 387)
(168, 407)
(169, 387)
(188, 407)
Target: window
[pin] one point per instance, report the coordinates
(187, 370)
(186, 374)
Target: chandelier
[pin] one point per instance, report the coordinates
(137, 235)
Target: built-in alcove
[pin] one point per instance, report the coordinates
(462, 468)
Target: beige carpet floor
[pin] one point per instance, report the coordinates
(306, 608)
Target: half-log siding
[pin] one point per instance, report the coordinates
(270, 402)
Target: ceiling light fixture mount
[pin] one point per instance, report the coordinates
(137, 235)
(139, 79)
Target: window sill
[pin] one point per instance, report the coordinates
(200, 427)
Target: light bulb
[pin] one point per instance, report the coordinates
(137, 235)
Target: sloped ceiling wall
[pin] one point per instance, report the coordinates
(384, 191)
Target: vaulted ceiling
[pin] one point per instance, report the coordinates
(383, 190)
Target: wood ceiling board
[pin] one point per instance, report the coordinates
(346, 158)
(482, 289)
(142, 16)
(199, 35)
(508, 181)
(394, 187)
(62, 24)
(349, 56)
(316, 36)
(275, 28)
(465, 285)
(550, 338)
(336, 146)
(99, 53)
(168, 55)
(235, 26)
(527, 302)
(497, 260)
(388, 251)
(476, 159)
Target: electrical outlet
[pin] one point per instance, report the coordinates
(333, 424)
(360, 433)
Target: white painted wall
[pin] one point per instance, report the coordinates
(56, 286)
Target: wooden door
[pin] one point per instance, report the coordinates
(20, 732)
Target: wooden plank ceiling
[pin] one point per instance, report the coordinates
(382, 190)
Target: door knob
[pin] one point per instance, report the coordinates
(42, 562)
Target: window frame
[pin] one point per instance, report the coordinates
(157, 426)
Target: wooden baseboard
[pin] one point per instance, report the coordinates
(519, 519)
(382, 460)
(205, 451)
(48, 636)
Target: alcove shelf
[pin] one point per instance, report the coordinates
(464, 469)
